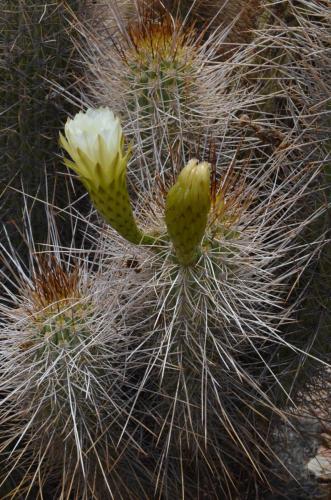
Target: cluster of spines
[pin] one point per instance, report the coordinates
(65, 399)
(168, 86)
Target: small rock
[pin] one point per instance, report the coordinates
(320, 465)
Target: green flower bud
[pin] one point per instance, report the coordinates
(94, 140)
(187, 208)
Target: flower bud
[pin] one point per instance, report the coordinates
(94, 140)
(187, 208)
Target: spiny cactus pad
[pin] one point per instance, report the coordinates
(159, 65)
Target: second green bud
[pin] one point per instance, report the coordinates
(187, 208)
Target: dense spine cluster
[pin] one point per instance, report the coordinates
(65, 398)
(167, 85)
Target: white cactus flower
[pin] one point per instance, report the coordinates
(94, 138)
(95, 142)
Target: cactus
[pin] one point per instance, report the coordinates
(65, 396)
(206, 326)
(189, 308)
(168, 88)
